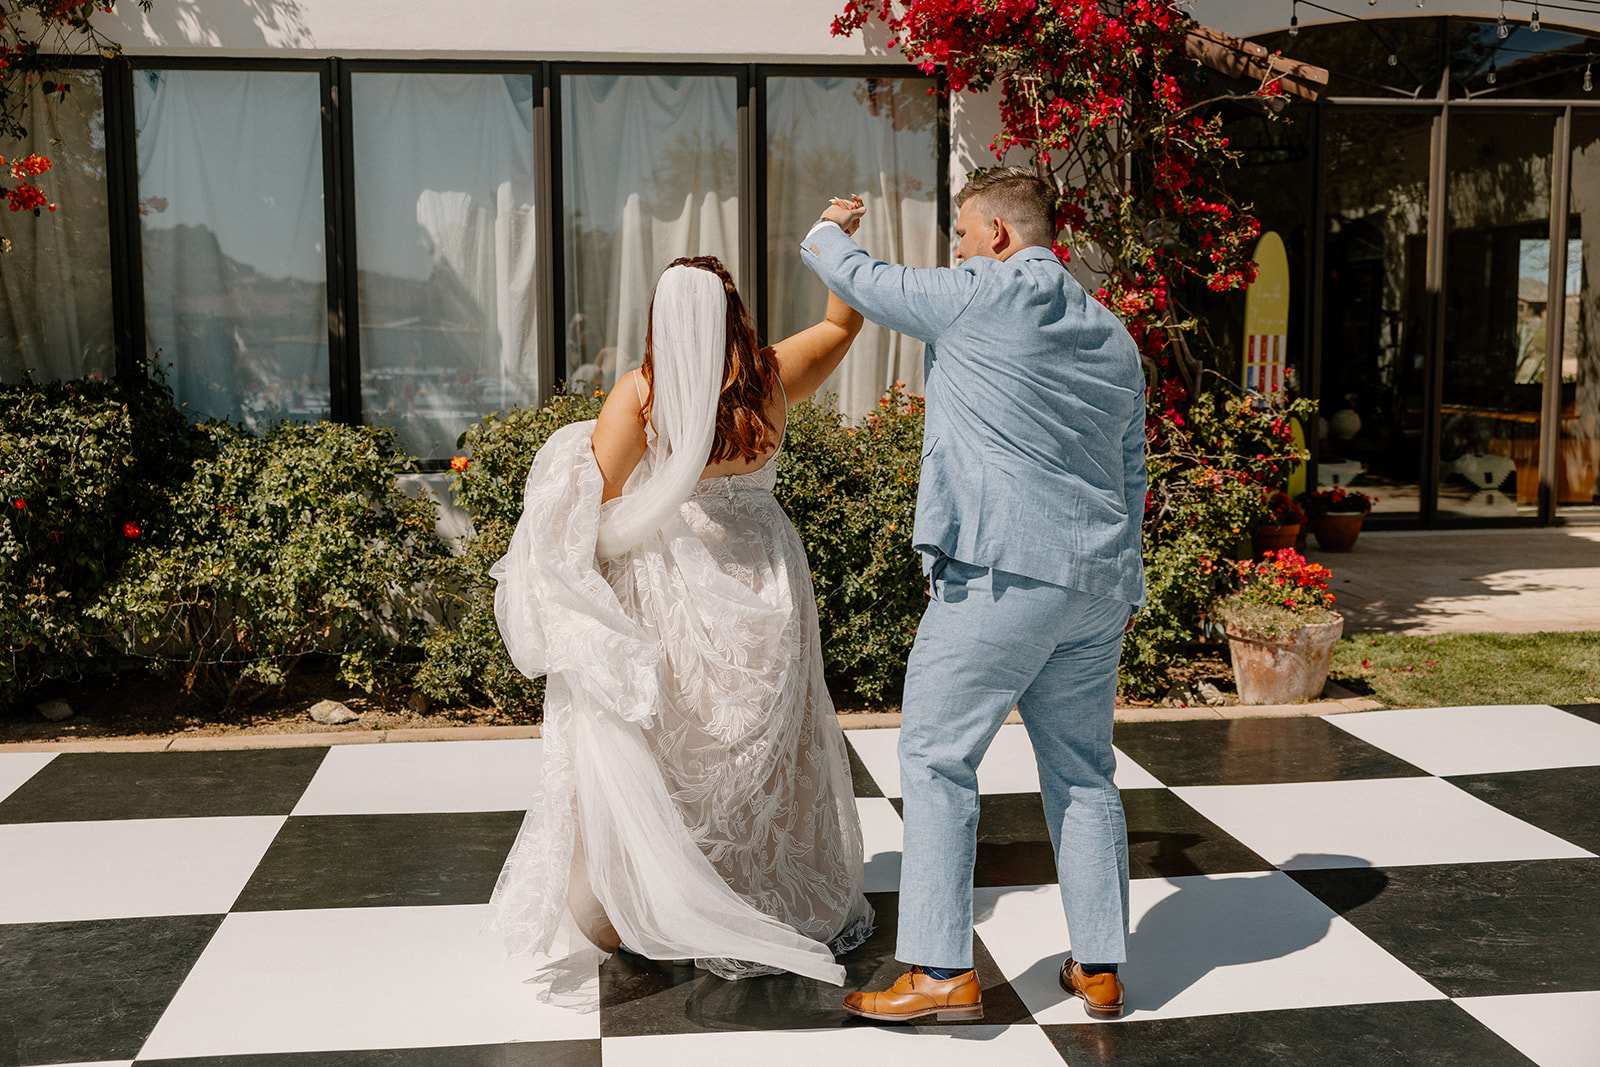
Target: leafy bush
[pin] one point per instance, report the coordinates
(1208, 461)
(277, 547)
(466, 659)
(1277, 594)
(851, 493)
(81, 465)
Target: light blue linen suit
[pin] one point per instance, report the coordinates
(1028, 518)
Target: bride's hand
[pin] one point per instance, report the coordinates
(846, 212)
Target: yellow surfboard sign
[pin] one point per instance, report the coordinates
(1266, 320)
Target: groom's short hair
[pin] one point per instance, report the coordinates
(1026, 201)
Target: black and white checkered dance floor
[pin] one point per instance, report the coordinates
(1416, 887)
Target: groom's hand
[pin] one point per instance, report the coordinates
(847, 213)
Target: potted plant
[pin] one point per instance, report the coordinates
(1281, 525)
(1281, 628)
(1336, 515)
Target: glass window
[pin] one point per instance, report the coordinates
(445, 240)
(1375, 333)
(1549, 64)
(830, 137)
(1578, 448)
(231, 224)
(1367, 57)
(650, 173)
(55, 282)
(1497, 281)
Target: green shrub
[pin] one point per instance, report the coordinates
(82, 466)
(277, 547)
(465, 659)
(851, 492)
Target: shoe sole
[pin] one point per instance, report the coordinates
(944, 1015)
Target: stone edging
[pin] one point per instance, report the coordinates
(1343, 701)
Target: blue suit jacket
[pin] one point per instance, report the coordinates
(1033, 449)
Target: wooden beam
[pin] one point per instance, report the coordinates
(1246, 60)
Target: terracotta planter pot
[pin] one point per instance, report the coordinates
(1283, 670)
(1271, 538)
(1337, 532)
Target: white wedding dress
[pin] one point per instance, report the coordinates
(695, 788)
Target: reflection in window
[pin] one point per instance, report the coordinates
(650, 173)
(55, 284)
(444, 174)
(1375, 333)
(1496, 318)
(230, 203)
(830, 137)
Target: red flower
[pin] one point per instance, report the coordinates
(21, 504)
(131, 530)
(458, 463)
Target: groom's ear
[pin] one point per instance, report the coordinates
(1001, 237)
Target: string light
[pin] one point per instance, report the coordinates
(1294, 19)
(1533, 23)
(1588, 77)
(1501, 28)
(1494, 76)
(1394, 60)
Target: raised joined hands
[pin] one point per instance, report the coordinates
(846, 212)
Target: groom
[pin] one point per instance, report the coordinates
(1028, 521)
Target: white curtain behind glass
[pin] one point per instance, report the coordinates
(831, 137)
(230, 204)
(445, 233)
(55, 283)
(651, 173)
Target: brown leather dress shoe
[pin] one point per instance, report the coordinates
(915, 995)
(1101, 993)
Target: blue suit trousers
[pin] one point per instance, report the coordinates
(990, 640)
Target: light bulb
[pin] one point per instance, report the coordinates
(1501, 29)
(1588, 77)
(1493, 76)
(1394, 60)
(1294, 26)
(1533, 23)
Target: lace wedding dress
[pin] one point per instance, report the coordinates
(695, 791)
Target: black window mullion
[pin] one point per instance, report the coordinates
(558, 228)
(758, 197)
(122, 217)
(339, 228)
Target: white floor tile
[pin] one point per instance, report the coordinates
(1203, 945)
(18, 767)
(441, 776)
(1479, 740)
(1373, 822)
(855, 1046)
(1551, 1029)
(68, 871)
(1008, 766)
(96, 1063)
(877, 749)
(883, 840)
(359, 978)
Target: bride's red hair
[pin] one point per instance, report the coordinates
(750, 375)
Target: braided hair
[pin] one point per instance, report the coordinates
(748, 380)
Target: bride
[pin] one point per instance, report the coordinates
(695, 798)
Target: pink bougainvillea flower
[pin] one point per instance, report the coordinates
(131, 530)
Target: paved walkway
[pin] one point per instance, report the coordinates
(1463, 581)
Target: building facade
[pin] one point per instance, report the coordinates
(412, 216)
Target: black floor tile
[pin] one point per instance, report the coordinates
(87, 991)
(645, 997)
(163, 785)
(1168, 839)
(1428, 1033)
(1478, 929)
(1587, 711)
(521, 1054)
(1561, 800)
(861, 778)
(361, 861)
(1255, 751)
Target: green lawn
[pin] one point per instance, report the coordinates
(1452, 669)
